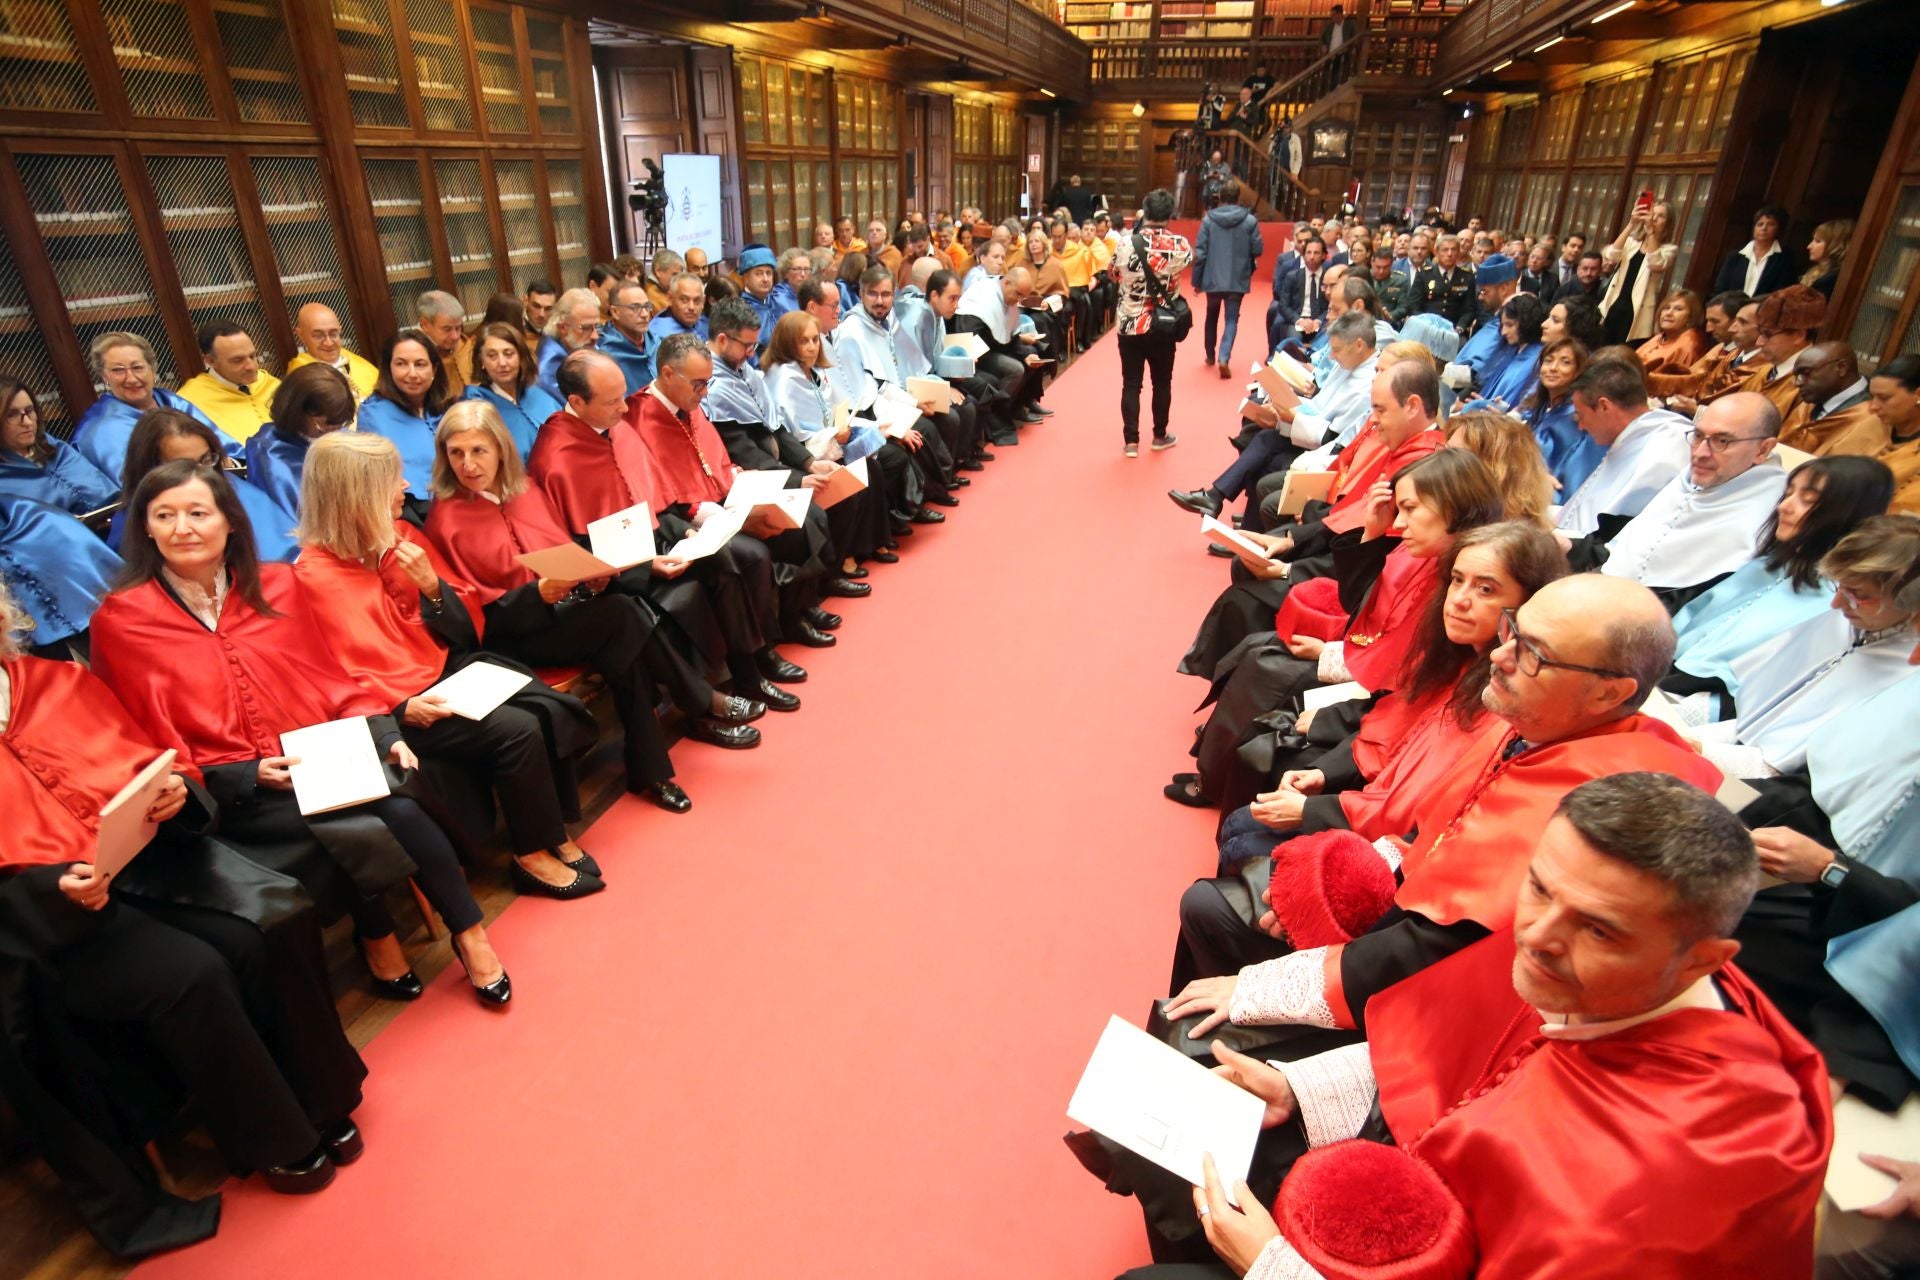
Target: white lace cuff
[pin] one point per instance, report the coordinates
(1334, 1091)
(1291, 989)
(1390, 852)
(1333, 663)
(1279, 1261)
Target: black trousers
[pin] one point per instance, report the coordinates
(1138, 353)
(509, 750)
(202, 999)
(1020, 383)
(1214, 940)
(614, 636)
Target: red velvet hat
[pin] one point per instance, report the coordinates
(1362, 1210)
(1312, 608)
(1329, 887)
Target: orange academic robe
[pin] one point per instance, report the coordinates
(1693, 1144)
(1851, 430)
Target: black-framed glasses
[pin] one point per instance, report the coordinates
(1719, 444)
(1529, 658)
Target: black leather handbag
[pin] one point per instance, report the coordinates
(1172, 315)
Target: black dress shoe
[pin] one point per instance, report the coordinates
(718, 733)
(1199, 501)
(983, 456)
(849, 590)
(737, 710)
(811, 636)
(303, 1177)
(902, 526)
(343, 1142)
(823, 620)
(524, 881)
(856, 573)
(1215, 549)
(1026, 417)
(944, 500)
(778, 699)
(405, 987)
(959, 482)
(1040, 409)
(924, 516)
(668, 796)
(886, 556)
(780, 671)
(971, 464)
(584, 863)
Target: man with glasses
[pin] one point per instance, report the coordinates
(575, 326)
(1700, 527)
(1570, 671)
(866, 348)
(1787, 319)
(692, 476)
(1832, 414)
(686, 313)
(625, 337)
(319, 330)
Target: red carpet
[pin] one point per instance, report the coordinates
(826, 1025)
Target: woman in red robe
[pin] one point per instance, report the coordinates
(1385, 584)
(249, 665)
(484, 517)
(401, 620)
(211, 961)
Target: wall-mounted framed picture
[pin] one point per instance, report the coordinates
(1330, 142)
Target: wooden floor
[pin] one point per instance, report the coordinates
(41, 1239)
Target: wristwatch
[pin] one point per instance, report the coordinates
(1834, 872)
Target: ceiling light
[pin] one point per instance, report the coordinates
(1050, 93)
(1549, 44)
(1500, 66)
(1619, 8)
(1446, 93)
(1139, 109)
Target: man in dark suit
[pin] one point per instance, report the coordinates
(1303, 295)
(1339, 31)
(1285, 266)
(1568, 263)
(1586, 279)
(1448, 291)
(1537, 276)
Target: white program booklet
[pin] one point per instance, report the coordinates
(894, 417)
(338, 768)
(933, 395)
(124, 829)
(752, 487)
(1859, 1130)
(1165, 1107)
(1325, 695)
(1225, 535)
(714, 533)
(475, 690)
(623, 539)
(842, 484)
(970, 345)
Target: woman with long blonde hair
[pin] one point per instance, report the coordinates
(1507, 446)
(1826, 251)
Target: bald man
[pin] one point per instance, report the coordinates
(697, 262)
(318, 328)
(1831, 413)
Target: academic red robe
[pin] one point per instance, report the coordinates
(482, 540)
(1415, 748)
(689, 463)
(582, 476)
(227, 694)
(68, 748)
(372, 621)
(1365, 462)
(1479, 820)
(1690, 1145)
(1381, 636)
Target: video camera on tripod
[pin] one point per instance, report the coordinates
(648, 198)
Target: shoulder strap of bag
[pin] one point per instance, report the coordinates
(1155, 294)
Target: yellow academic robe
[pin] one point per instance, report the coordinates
(360, 372)
(1077, 263)
(1903, 459)
(237, 413)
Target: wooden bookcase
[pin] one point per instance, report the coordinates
(168, 162)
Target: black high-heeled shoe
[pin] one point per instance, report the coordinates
(496, 993)
(405, 987)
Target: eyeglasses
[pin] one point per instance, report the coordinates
(127, 370)
(1529, 658)
(1718, 445)
(1854, 599)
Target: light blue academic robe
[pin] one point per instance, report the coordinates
(523, 420)
(411, 433)
(634, 361)
(664, 326)
(1570, 453)
(1741, 613)
(67, 480)
(105, 430)
(55, 568)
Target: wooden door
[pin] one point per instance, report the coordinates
(716, 129)
(936, 173)
(645, 91)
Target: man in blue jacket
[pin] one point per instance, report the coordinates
(1223, 261)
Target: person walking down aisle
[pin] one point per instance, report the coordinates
(1148, 264)
(1223, 261)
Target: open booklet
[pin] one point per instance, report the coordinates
(338, 765)
(1165, 1107)
(766, 492)
(1302, 487)
(1251, 553)
(620, 541)
(1297, 374)
(476, 690)
(895, 413)
(842, 484)
(933, 395)
(1859, 1129)
(1280, 392)
(715, 532)
(124, 829)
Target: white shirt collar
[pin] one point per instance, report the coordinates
(1703, 994)
(205, 607)
(1859, 385)
(1747, 252)
(231, 386)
